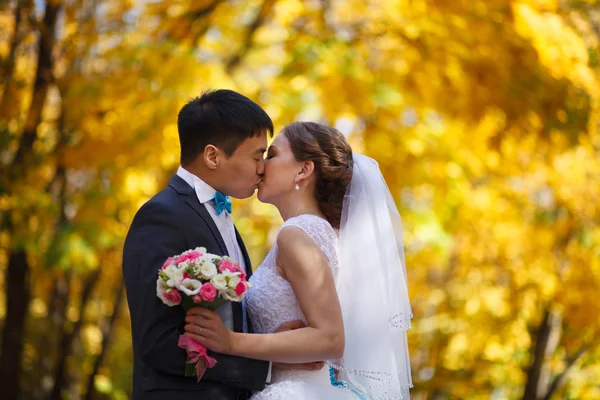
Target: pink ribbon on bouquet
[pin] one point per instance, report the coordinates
(197, 354)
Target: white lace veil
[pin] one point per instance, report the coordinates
(372, 288)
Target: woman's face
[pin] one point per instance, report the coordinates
(281, 169)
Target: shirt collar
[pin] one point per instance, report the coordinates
(203, 190)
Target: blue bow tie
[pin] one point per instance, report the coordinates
(222, 202)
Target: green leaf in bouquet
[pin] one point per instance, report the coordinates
(188, 303)
(163, 275)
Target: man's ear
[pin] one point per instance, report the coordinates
(211, 156)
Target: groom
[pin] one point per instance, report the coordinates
(223, 136)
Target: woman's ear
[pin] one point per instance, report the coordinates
(308, 168)
(211, 156)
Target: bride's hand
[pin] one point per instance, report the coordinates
(206, 328)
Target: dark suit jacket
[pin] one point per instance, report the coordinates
(171, 222)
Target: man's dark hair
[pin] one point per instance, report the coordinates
(222, 118)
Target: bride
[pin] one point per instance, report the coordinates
(337, 265)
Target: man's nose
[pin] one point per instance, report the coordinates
(260, 170)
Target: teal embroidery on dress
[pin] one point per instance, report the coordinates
(344, 384)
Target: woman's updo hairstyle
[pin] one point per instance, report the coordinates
(331, 154)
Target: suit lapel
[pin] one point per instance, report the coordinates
(238, 314)
(248, 271)
(193, 202)
(244, 253)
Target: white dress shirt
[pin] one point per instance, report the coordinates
(224, 223)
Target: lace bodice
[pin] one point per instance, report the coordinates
(272, 301)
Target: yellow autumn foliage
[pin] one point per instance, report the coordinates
(484, 116)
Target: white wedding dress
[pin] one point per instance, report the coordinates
(272, 301)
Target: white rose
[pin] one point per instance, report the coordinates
(209, 259)
(194, 271)
(231, 295)
(219, 282)
(191, 287)
(200, 250)
(208, 270)
(184, 265)
(233, 281)
(161, 288)
(230, 274)
(175, 275)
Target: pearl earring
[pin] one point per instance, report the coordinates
(297, 187)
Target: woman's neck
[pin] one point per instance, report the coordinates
(298, 206)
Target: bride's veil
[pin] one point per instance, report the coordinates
(372, 288)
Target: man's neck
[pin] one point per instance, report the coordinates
(201, 174)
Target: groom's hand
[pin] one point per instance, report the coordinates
(290, 326)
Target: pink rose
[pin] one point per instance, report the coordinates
(181, 259)
(226, 265)
(173, 296)
(192, 255)
(208, 292)
(168, 262)
(240, 288)
(197, 299)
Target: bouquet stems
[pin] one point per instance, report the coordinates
(190, 368)
(187, 303)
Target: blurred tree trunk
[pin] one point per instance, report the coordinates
(17, 302)
(546, 341)
(43, 79)
(61, 282)
(56, 324)
(9, 65)
(107, 334)
(61, 324)
(43, 361)
(540, 383)
(561, 378)
(266, 9)
(69, 335)
(17, 272)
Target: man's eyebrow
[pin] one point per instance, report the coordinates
(260, 151)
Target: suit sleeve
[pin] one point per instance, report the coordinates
(238, 371)
(155, 235)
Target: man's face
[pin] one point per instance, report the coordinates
(242, 172)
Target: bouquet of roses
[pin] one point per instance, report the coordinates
(196, 278)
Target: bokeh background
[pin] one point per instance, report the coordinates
(483, 114)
